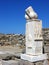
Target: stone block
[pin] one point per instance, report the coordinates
(45, 62)
(46, 48)
(32, 58)
(39, 63)
(48, 55)
(23, 62)
(10, 62)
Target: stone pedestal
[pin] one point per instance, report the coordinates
(34, 39)
(32, 58)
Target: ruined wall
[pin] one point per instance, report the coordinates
(46, 40)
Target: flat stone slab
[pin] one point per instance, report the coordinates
(23, 62)
(10, 62)
(39, 63)
(34, 58)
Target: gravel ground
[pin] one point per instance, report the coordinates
(9, 51)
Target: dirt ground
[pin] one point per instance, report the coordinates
(10, 48)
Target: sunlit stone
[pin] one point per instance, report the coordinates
(34, 39)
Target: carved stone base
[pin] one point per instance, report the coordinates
(34, 58)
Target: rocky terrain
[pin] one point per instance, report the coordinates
(14, 44)
(46, 35)
(12, 39)
(15, 39)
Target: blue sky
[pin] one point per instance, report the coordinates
(12, 14)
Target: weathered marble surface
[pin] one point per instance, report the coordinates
(34, 39)
(34, 47)
(30, 13)
(32, 58)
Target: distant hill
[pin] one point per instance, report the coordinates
(13, 39)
